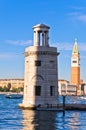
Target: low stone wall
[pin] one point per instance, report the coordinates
(73, 106)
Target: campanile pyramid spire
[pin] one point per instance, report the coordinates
(75, 47)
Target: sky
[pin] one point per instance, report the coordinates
(67, 21)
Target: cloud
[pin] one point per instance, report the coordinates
(82, 46)
(19, 42)
(5, 56)
(77, 8)
(63, 46)
(78, 16)
(82, 57)
(8, 55)
(82, 18)
(78, 13)
(68, 46)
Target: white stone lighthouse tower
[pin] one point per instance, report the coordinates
(41, 76)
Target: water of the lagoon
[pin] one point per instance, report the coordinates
(12, 118)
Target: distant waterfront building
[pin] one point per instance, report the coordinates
(75, 67)
(64, 88)
(15, 83)
(40, 81)
(71, 89)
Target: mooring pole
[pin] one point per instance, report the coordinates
(63, 105)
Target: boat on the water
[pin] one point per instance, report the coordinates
(83, 97)
(14, 96)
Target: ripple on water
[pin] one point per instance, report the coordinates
(12, 118)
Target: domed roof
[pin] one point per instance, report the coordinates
(41, 26)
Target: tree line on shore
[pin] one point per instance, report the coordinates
(8, 88)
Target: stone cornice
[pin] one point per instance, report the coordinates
(40, 53)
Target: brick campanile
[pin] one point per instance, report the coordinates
(75, 66)
(41, 76)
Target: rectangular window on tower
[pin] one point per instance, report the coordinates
(38, 90)
(37, 63)
(74, 61)
(52, 90)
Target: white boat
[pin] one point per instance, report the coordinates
(83, 97)
(14, 96)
